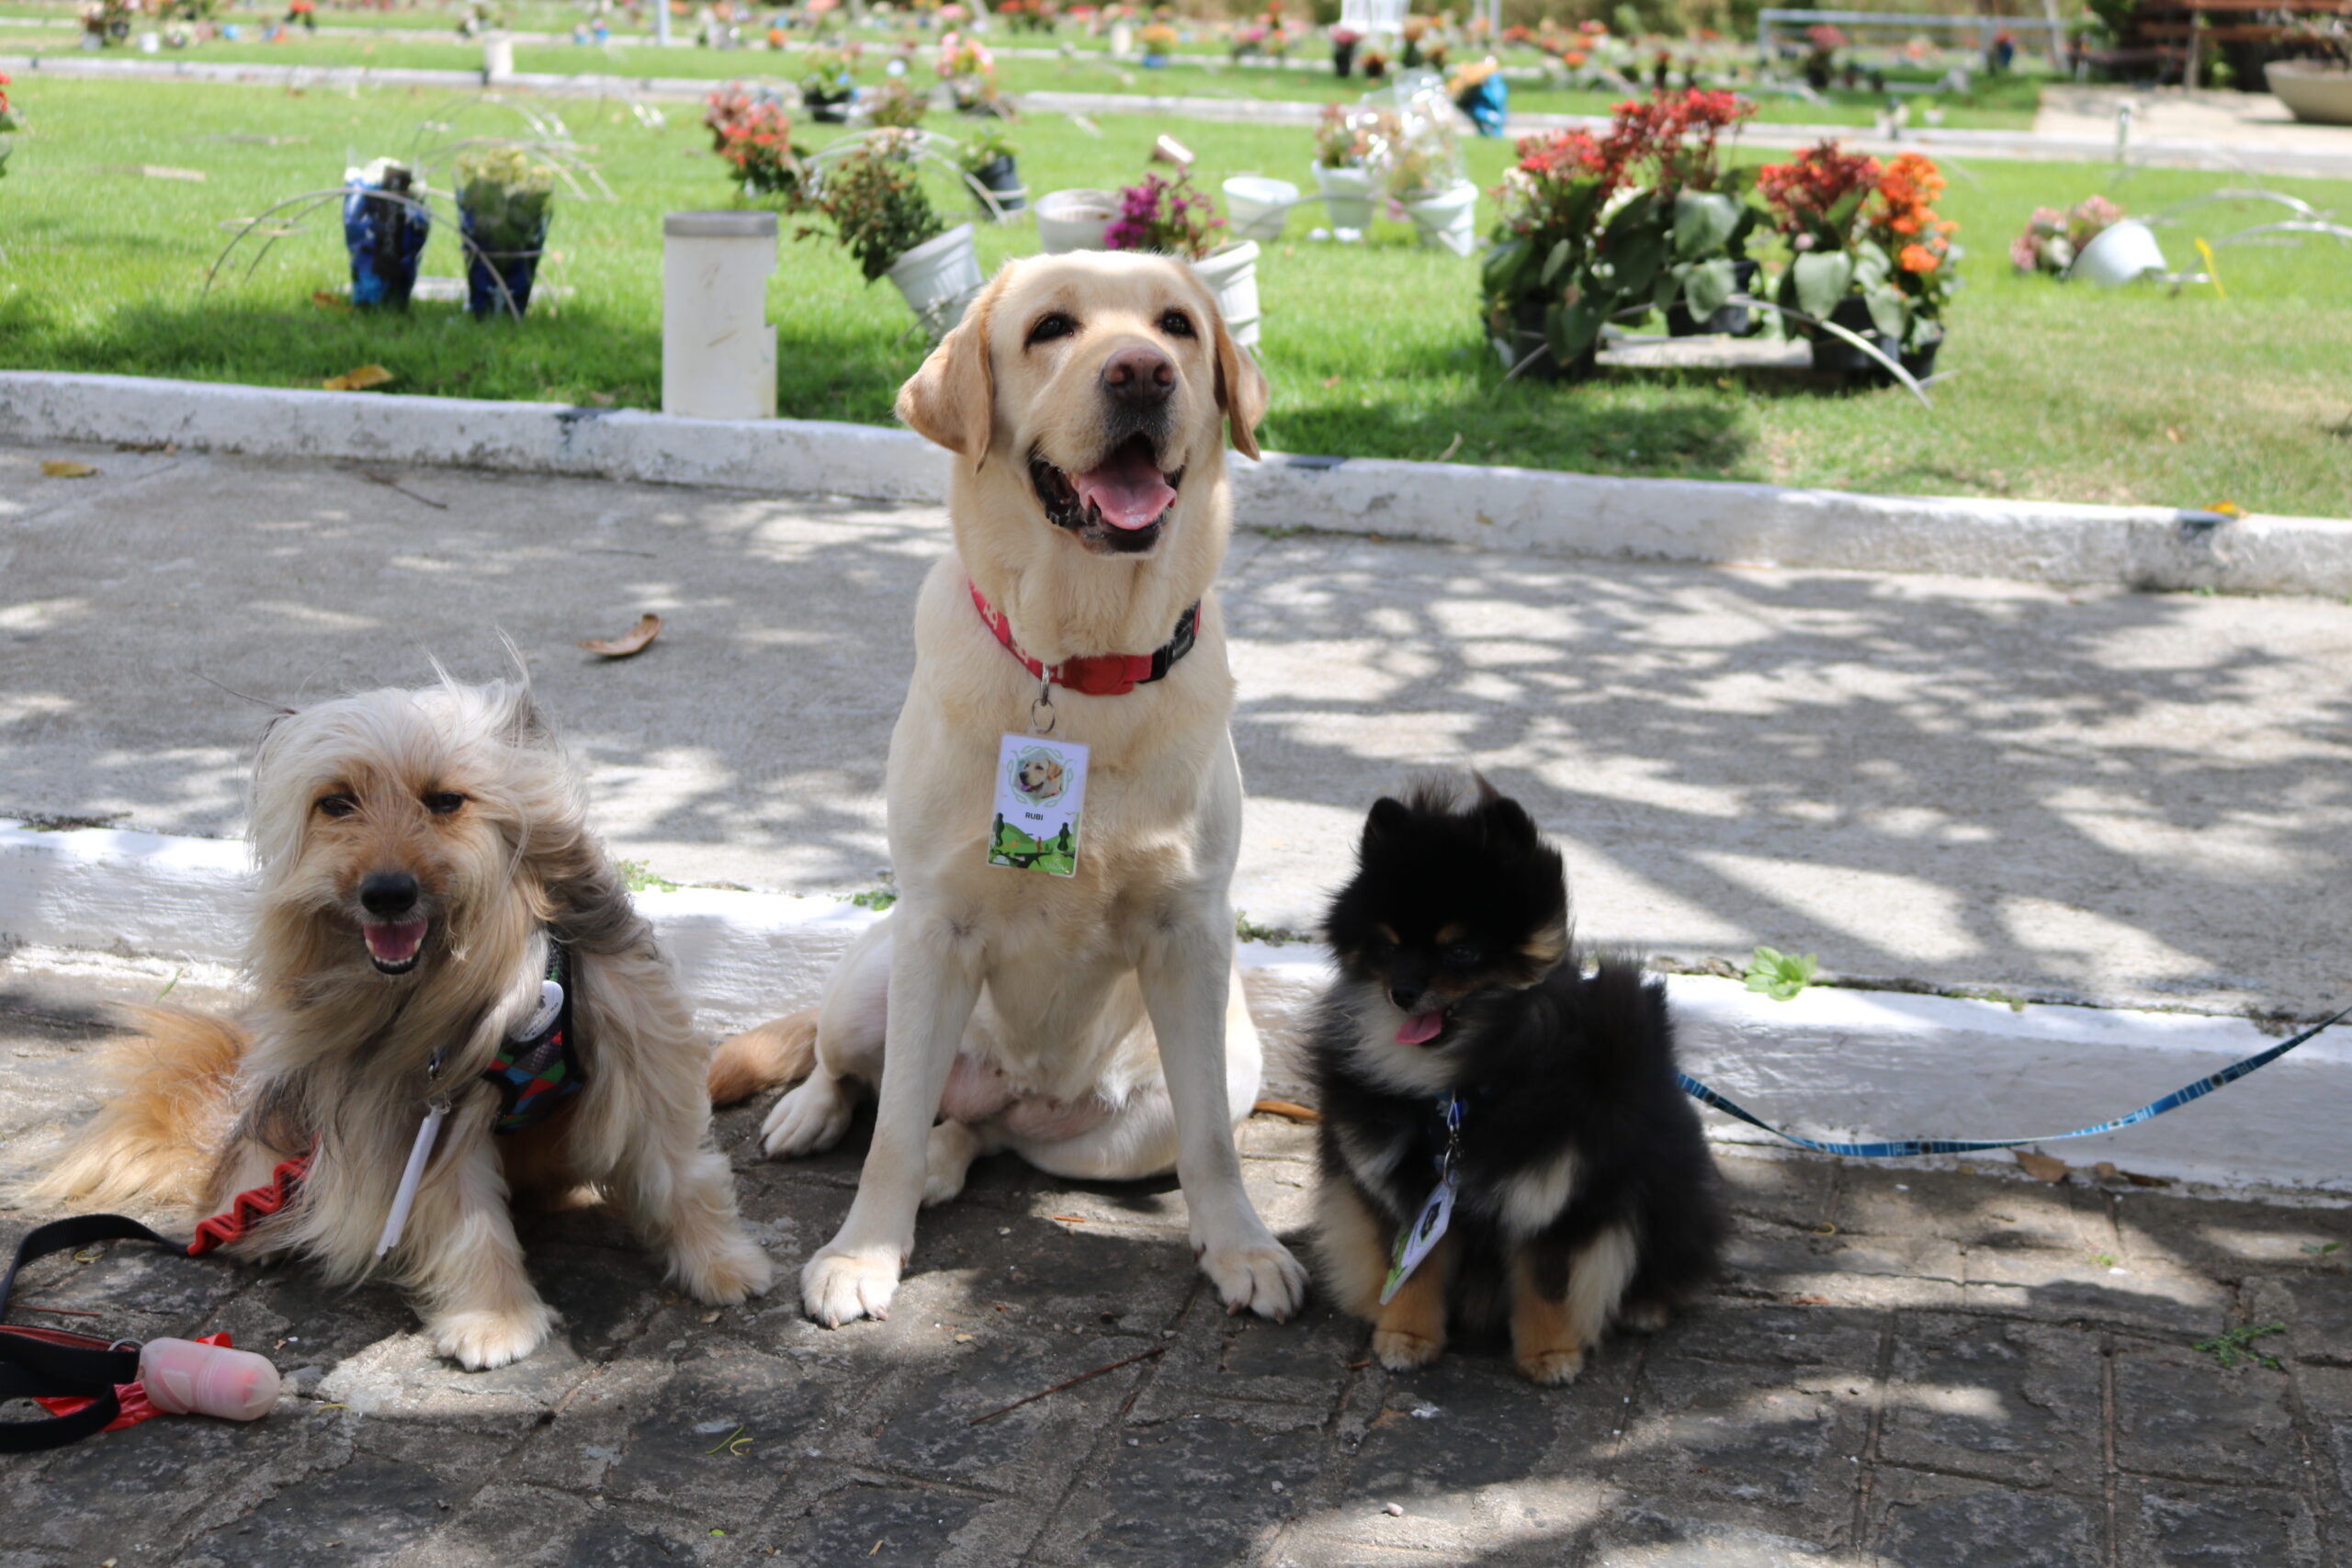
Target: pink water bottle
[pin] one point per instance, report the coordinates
(185, 1377)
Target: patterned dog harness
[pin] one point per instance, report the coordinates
(536, 1077)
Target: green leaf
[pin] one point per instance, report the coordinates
(1821, 279)
(1890, 311)
(1841, 212)
(1633, 261)
(1503, 263)
(1559, 257)
(1703, 221)
(1777, 974)
(1640, 213)
(1709, 288)
(1570, 329)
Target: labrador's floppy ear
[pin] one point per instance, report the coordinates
(952, 400)
(1241, 388)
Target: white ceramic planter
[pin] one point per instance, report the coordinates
(1075, 219)
(2121, 252)
(1256, 208)
(1346, 197)
(2315, 93)
(497, 58)
(939, 277)
(1231, 275)
(717, 349)
(1449, 219)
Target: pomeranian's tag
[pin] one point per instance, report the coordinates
(1040, 786)
(1418, 1242)
(428, 1130)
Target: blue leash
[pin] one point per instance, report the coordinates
(1888, 1150)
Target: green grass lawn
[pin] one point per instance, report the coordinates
(2058, 391)
(2005, 104)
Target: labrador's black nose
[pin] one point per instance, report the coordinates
(1138, 375)
(388, 893)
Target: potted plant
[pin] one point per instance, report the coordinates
(1539, 306)
(1375, 65)
(757, 144)
(895, 105)
(10, 121)
(1869, 256)
(385, 225)
(1344, 42)
(1158, 40)
(873, 198)
(1345, 141)
(969, 71)
(826, 87)
(504, 197)
(988, 157)
(1823, 43)
(2051, 239)
(1671, 143)
(1170, 216)
(1421, 168)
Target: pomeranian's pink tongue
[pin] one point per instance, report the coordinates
(1129, 489)
(393, 942)
(1419, 1027)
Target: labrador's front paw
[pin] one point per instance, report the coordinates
(1257, 1274)
(838, 1286)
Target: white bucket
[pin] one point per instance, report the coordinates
(1346, 197)
(1075, 219)
(1256, 208)
(2119, 254)
(718, 348)
(497, 58)
(939, 277)
(1231, 275)
(151, 44)
(1449, 219)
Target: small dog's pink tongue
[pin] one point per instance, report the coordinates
(1129, 489)
(390, 942)
(1420, 1028)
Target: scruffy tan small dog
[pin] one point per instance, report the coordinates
(435, 924)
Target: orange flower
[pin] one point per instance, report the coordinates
(1918, 258)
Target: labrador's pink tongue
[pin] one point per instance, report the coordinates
(1420, 1027)
(1128, 490)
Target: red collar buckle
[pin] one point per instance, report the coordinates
(1098, 675)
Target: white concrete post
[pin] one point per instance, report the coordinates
(717, 349)
(497, 58)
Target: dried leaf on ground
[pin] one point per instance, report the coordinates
(2042, 1167)
(67, 468)
(633, 640)
(1289, 1107)
(357, 380)
(328, 299)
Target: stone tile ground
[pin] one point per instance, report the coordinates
(1902, 1367)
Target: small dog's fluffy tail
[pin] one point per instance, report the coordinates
(761, 1059)
(169, 1103)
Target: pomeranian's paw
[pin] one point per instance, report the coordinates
(480, 1340)
(1400, 1350)
(810, 1120)
(726, 1274)
(838, 1286)
(1646, 1317)
(1552, 1368)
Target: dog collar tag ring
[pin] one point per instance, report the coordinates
(1417, 1241)
(1041, 708)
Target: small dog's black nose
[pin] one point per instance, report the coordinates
(388, 893)
(1138, 375)
(1404, 997)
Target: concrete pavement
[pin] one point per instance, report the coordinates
(2099, 795)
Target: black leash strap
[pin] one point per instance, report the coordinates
(51, 1363)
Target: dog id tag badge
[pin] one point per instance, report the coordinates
(1040, 788)
(1427, 1230)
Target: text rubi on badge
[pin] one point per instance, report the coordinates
(1040, 790)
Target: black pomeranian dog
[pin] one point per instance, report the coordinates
(1503, 1139)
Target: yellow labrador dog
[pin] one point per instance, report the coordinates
(1091, 1022)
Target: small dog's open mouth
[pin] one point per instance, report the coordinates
(394, 945)
(1420, 1028)
(1116, 505)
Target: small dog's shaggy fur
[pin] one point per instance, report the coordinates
(417, 850)
(1585, 1190)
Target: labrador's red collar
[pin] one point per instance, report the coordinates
(1100, 674)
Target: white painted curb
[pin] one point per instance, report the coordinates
(1832, 1064)
(1535, 511)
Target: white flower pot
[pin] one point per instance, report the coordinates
(497, 58)
(1075, 219)
(2121, 252)
(2314, 93)
(1231, 275)
(1346, 197)
(1256, 208)
(1449, 219)
(939, 277)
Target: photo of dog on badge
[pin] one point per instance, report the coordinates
(1503, 1144)
(1038, 775)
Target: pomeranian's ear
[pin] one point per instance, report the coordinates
(1388, 818)
(1487, 793)
(1504, 820)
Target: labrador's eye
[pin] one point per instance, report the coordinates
(337, 804)
(444, 803)
(1051, 325)
(1175, 323)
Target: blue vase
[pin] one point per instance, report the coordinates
(386, 239)
(487, 269)
(1485, 104)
